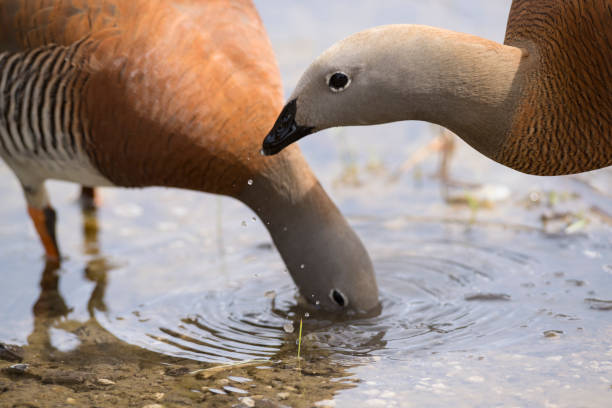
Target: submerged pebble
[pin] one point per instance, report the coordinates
(247, 401)
(288, 327)
(234, 390)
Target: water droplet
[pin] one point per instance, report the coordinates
(302, 266)
(250, 182)
(243, 223)
(288, 327)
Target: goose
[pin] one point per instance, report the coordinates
(172, 93)
(541, 103)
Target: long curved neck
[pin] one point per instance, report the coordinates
(465, 83)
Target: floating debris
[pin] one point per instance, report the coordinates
(552, 333)
(488, 297)
(599, 304)
(288, 327)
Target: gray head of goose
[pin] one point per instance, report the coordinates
(354, 82)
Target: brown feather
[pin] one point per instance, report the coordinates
(563, 120)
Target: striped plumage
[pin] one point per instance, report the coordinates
(43, 129)
(172, 93)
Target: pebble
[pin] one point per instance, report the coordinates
(217, 391)
(17, 369)
(70, 401)
(61, 377)
(105, 381)
(234, 390)
(282, 395)
(11, 353)
(247, 401)
(288, 327)
(239, 379)
(153, 406)
(159, 396)
(176, 371)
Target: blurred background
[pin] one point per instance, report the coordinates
(496, 285)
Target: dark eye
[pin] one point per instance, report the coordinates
(338, 81)
(338, 297)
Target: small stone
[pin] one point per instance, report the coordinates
(282, 395)
(223, 381)
(60, 377)
(247, 401)
(11, 353)
(159, 396)
(105, 381)
(217, 391)
(71, 401)
(290, 388)
(176, 371)
(17, 369)
(234, 390)
(241, 380)
(153, 406)
(288, 327)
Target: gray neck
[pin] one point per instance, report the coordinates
(462, 82)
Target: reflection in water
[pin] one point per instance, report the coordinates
(87, 351)
(451, 288)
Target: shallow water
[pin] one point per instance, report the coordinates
(506, 302)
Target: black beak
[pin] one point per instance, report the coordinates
(285, 131)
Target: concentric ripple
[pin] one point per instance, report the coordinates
(451, 289)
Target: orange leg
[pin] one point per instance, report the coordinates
(44, 221)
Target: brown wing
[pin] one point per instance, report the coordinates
(564, 121)
(28, 23)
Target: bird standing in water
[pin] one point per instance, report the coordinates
(174, 93)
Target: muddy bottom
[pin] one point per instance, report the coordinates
(104, 372)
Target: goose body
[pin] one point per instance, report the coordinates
(540, 103)
(174, 93)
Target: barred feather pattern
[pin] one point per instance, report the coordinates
(563, 121)
(43, 128)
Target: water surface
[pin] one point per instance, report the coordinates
(494, 294)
